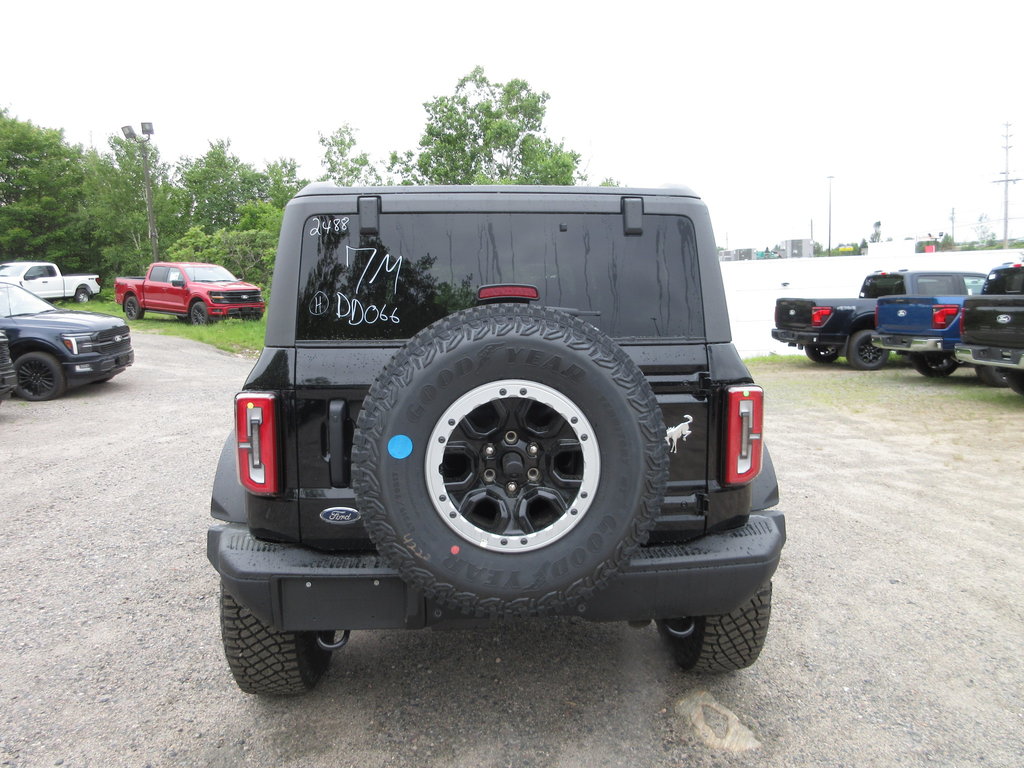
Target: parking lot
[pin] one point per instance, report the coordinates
(896, 633)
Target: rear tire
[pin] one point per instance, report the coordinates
(934, 365)
(724, 643)
(82, 294)
(822, 353)
(265, 661)
(991, 376)
(132, 309)
(862, 354)
(1015, 381)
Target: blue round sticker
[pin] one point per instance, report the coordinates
(400, 446)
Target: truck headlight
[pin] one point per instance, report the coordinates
(78, 343)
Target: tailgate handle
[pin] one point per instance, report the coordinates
(337, 417)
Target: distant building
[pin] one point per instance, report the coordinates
(737, 254)
(796, 249)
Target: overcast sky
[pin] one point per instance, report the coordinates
(752, 105)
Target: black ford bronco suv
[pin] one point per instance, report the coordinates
(487, 402)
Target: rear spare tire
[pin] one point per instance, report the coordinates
(509, 460)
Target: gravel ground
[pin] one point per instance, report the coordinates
(896, 633)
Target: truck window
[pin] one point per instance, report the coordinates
(174, 274)
(876, 286)
(34, 273)
(1005, 281)
(939, 285)
(420, 268)
(158, 275)
(974, 284)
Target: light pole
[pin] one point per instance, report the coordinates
(830, 214)
(147, 131)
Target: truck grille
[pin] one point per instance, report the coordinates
(113, 341)
(5, 354)
(239, 297)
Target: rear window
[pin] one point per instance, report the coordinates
(876, 286)
(1005, 281)
(421, 267)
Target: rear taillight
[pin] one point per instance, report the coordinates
(256, 439)
(744, 410)
(943, 314)
(819, 315)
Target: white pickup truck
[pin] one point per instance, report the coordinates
(45, 280)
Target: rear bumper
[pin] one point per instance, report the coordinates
(809, 338)
(908, 343)
(1002, 357)
(299, 589)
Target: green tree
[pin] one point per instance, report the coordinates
(487, 133)
(115, 206)
(40, 196)
(215, 186)
(283, 181)
(343, 167)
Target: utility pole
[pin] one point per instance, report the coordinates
(830, 214)
(952, 226)
(1006, 181)
(147, 131)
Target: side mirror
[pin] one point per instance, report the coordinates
(178, 283)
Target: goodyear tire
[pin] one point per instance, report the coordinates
(724, 643)
(509, 460)
(267, 662)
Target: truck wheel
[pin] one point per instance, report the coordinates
(723, 643)
(934, 365)
(822, 353)
(1015, 381)
(132, 309)
(862, 354)
(991, 376)
(509, 460)
(265, 661)
(40, 376)
(82, 294)
(198, 314)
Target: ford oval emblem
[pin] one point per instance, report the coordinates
(341, 515)
(901, 313)
(1002, 319)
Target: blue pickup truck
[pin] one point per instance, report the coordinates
(926, 329)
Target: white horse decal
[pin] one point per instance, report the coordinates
(677, 433)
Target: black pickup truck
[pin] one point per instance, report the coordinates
(7, 376)
(56, 349)
(827, 329)
(992, 325)
(487, 402)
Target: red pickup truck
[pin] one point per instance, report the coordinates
(199, 293)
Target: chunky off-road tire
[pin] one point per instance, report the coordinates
(82, 294)
(198, 314)
(39, 376)
(509, 460)
(822, 353)
(1015, 381)
(862, 354)
(934, 365)
(991, 375)
(132, 309)
(723, 643)
(265, 661)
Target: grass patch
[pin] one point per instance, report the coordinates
(232, 335)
